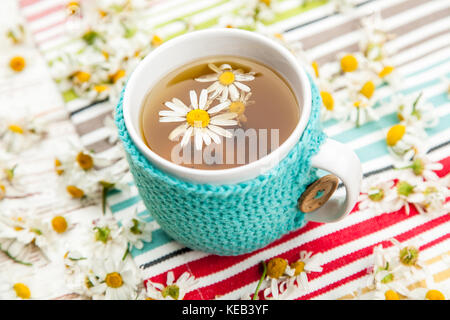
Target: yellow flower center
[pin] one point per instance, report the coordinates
(198, 118)
(327, 100)
(82, 76)
(22, 291)
(349, 63)
(386, 71)
(368, 89)
(2, 191)
(276, 267)
(266, 2)
(156, 41)
(15, 128)
(75, 192)
(58, 169)
(315, 66)
(116, 76)
(395, 134)
(391, 295)
(299, 267)
(434, 295)
(85, 161)
(237, 107)
(114, 280)
(59, 224)
(357, 104)
(17, 63)
(226, 78)
(101, 88)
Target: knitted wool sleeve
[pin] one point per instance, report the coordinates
(229, 219)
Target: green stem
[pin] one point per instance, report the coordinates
(14, 258)
(255, 296)
(416, 101)
(125, 254)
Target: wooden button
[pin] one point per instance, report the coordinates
(317, 193)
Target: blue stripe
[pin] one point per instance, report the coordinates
(125, 204)
(159, 238)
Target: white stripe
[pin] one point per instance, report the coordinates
(48, 20)
(418, 34)
(426, 47)
(40, 6)
(94, 136)
(91, 113)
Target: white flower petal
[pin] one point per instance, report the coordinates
(177, 106)
(193, 97)
(242, 86)
(207, 78)
(219, 107)
(198, 136)
(167, 113)
(234, 93)
(171, 119)
(187, 136)
(203, 99)
(220, 131)
(178, 131)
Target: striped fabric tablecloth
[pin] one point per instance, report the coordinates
(422, 57)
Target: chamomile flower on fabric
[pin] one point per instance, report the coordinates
(278, 270)
(137, 231)
(17, 34)
(407, 193)
(377, 195)
(374, 38)
(433, 198)
(200, 120)
(413, 110)
(115, 280)
(433, 291)
(382, 277)
(285, 291)
(421, 165)
(173, 290)
(17, 135)
(407, 261)
(105, 237)
(306, 264)
(227, 82)
(17, 285)
(404, 141)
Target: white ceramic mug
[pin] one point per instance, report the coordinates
(333, 156)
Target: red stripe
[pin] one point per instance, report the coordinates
(50, 26)
(25, 3)
(252, 274)
(53, 37)
(45, 12)
(446, 169)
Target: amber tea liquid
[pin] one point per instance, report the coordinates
(268, 118)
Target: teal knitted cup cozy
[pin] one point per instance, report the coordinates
(229, 219)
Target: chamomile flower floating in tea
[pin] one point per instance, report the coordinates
(198, 119)
(226, 81)
(238, 106)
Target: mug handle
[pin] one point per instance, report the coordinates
(340, 160)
